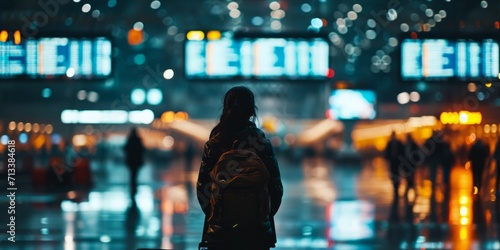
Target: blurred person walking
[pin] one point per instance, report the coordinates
(478, 156)
(393, 153)
(412, 154)
(434, 150)
(252, 230)
(496, 156)
(394, 150)
(134, 158)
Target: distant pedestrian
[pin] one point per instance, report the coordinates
(434, 155)
(134, 158)
(412, 154)
(478, 156)
(394, 149)
(496, 156)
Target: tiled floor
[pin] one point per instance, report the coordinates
(326, 205)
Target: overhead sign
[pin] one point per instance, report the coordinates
(462, 117)
(107, 116)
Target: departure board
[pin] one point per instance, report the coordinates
(257, 58)
(56, 57)
(445, 59)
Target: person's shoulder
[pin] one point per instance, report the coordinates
(259, 133)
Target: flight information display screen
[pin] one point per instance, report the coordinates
(444, 59)
(61, 57)
(257, 58)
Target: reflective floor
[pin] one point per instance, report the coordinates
(326, 205)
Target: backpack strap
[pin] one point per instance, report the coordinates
(235, 144)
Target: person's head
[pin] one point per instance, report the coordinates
(409, 137)
(133, 132)
(238, 108)
(393, 135)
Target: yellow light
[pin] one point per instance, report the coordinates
(464, 117)
(36, 127)
(213, 35)
(464, 221)
(475, 190)
(27, 127)
(12, 125)
(463, 233)
(20, 126)
(195, 35)
(49, 129)
(181, 116)
(4, 35)
(467, 166)
(494, 128)
(168, 117)
(488, 84)
(463, 200)
(487, 128)
(17, 37)
(498, 75)
(79, 140)
(463, 211)
(472, 137)
(39, 141)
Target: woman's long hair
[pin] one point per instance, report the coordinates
(239, 107)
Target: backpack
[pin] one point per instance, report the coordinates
(240, 199)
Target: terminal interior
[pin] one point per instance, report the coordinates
(333, 81)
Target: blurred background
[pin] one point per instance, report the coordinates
(332, 80)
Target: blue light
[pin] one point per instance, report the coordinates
(4, 139)
(155, 96)
(56, 138)
(306, 7)
(46, 93)
(138, 96)
(23, 138)
(111, 3)
(257, 21)
(316, 23)
(139, 59)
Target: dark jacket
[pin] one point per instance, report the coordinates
(249, 136)
(134, 151)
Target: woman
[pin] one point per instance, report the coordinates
(237, 126)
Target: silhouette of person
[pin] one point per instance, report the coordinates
(496, 156)
(237, 124)
(411, 149)
(393, 152)
(433, 159)
(134, 158)
(478, 156)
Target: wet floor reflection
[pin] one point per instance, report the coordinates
(327, 205)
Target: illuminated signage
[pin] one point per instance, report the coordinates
(462, 117)
(217, 55)
(55, 57)
(444, 59)
(107, 116)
